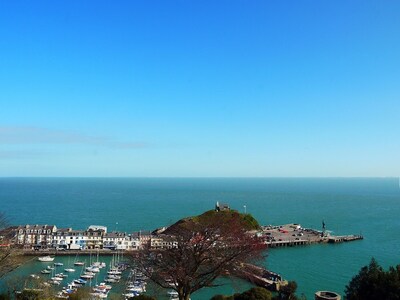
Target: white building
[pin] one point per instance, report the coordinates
(70, 239)
(163, 242)
(120, 241)
(94, 235)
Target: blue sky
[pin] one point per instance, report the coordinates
(199, 88)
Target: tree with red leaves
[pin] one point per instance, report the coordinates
(205, 249)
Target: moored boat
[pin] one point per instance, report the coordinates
(70, 270)
(46, 258)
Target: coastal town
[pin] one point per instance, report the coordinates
(51, 238)
(33, 238)
(49, 241)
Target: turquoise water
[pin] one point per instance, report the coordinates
(348, 206)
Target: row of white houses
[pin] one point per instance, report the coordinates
(94, 237)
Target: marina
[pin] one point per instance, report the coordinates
(80, 272)
(271, 201)
(99, 275)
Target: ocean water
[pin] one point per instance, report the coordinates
(370, 206)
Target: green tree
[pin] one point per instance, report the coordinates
(143, 297)
(81, 293)
(256, 293)
(374, 283)
(288, 292)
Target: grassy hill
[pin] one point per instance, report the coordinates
(246, 220)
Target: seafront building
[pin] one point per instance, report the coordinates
(29, 235)
(121, 241)
(163, 242)
(37, 237)
(65, 237)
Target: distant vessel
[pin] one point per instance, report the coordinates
(45, 258)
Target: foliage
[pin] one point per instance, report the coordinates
(5, 252)
(10, 257)
(288, 292)
(256, 293)
(5, 296)
(81, 293)
(143, 297)
(374, 283)
(247, 221)
(207, 248)
(32, 294)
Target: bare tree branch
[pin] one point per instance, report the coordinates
(205, 251)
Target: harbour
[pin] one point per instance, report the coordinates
(145, 204)
(45, 244)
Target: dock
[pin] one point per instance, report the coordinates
(261, 277)
(290, 235)
(344, 238)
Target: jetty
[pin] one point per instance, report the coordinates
(344, 238)
(261, 277)
(289, 235)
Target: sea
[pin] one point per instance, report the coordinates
(367, 206)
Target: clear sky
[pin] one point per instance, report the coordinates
(200, 88)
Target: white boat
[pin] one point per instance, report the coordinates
(172, 293)
(130, 295)
(45, 271)
(87, 276)
(79, 263)
(93, 269)
(70, 270)
(99, 295)
(79, 281)
(102, 286)
(137, 289)
(58, 264)
(56, 278)
(45, 258)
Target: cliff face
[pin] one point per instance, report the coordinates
(246, 220)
